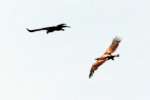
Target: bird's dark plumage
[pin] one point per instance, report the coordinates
(50, 29)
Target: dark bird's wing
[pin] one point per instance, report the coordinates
(34, 30)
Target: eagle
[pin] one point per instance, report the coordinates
(106, 56)
(58, 27)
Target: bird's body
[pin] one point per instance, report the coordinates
(50, 29)
(106, 56)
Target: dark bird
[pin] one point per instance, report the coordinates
(106, 56)
(50, 29)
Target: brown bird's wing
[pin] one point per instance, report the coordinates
(103, 58)
(113, 46)
(95, 66)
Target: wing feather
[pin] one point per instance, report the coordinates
(113, 46)
(95, 66)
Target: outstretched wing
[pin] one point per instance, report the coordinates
(34, 30)
(95, 66)
(113, 46)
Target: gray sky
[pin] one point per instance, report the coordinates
(56, 66)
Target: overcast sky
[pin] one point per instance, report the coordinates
(56, 66)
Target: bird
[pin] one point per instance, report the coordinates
(58, 27)
(106, 56)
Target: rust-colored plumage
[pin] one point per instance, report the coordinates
(106, 56)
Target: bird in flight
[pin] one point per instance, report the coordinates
(50, 29)
(106, 56)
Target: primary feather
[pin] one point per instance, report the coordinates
(114, 45)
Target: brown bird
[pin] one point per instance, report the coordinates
(106, 56)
